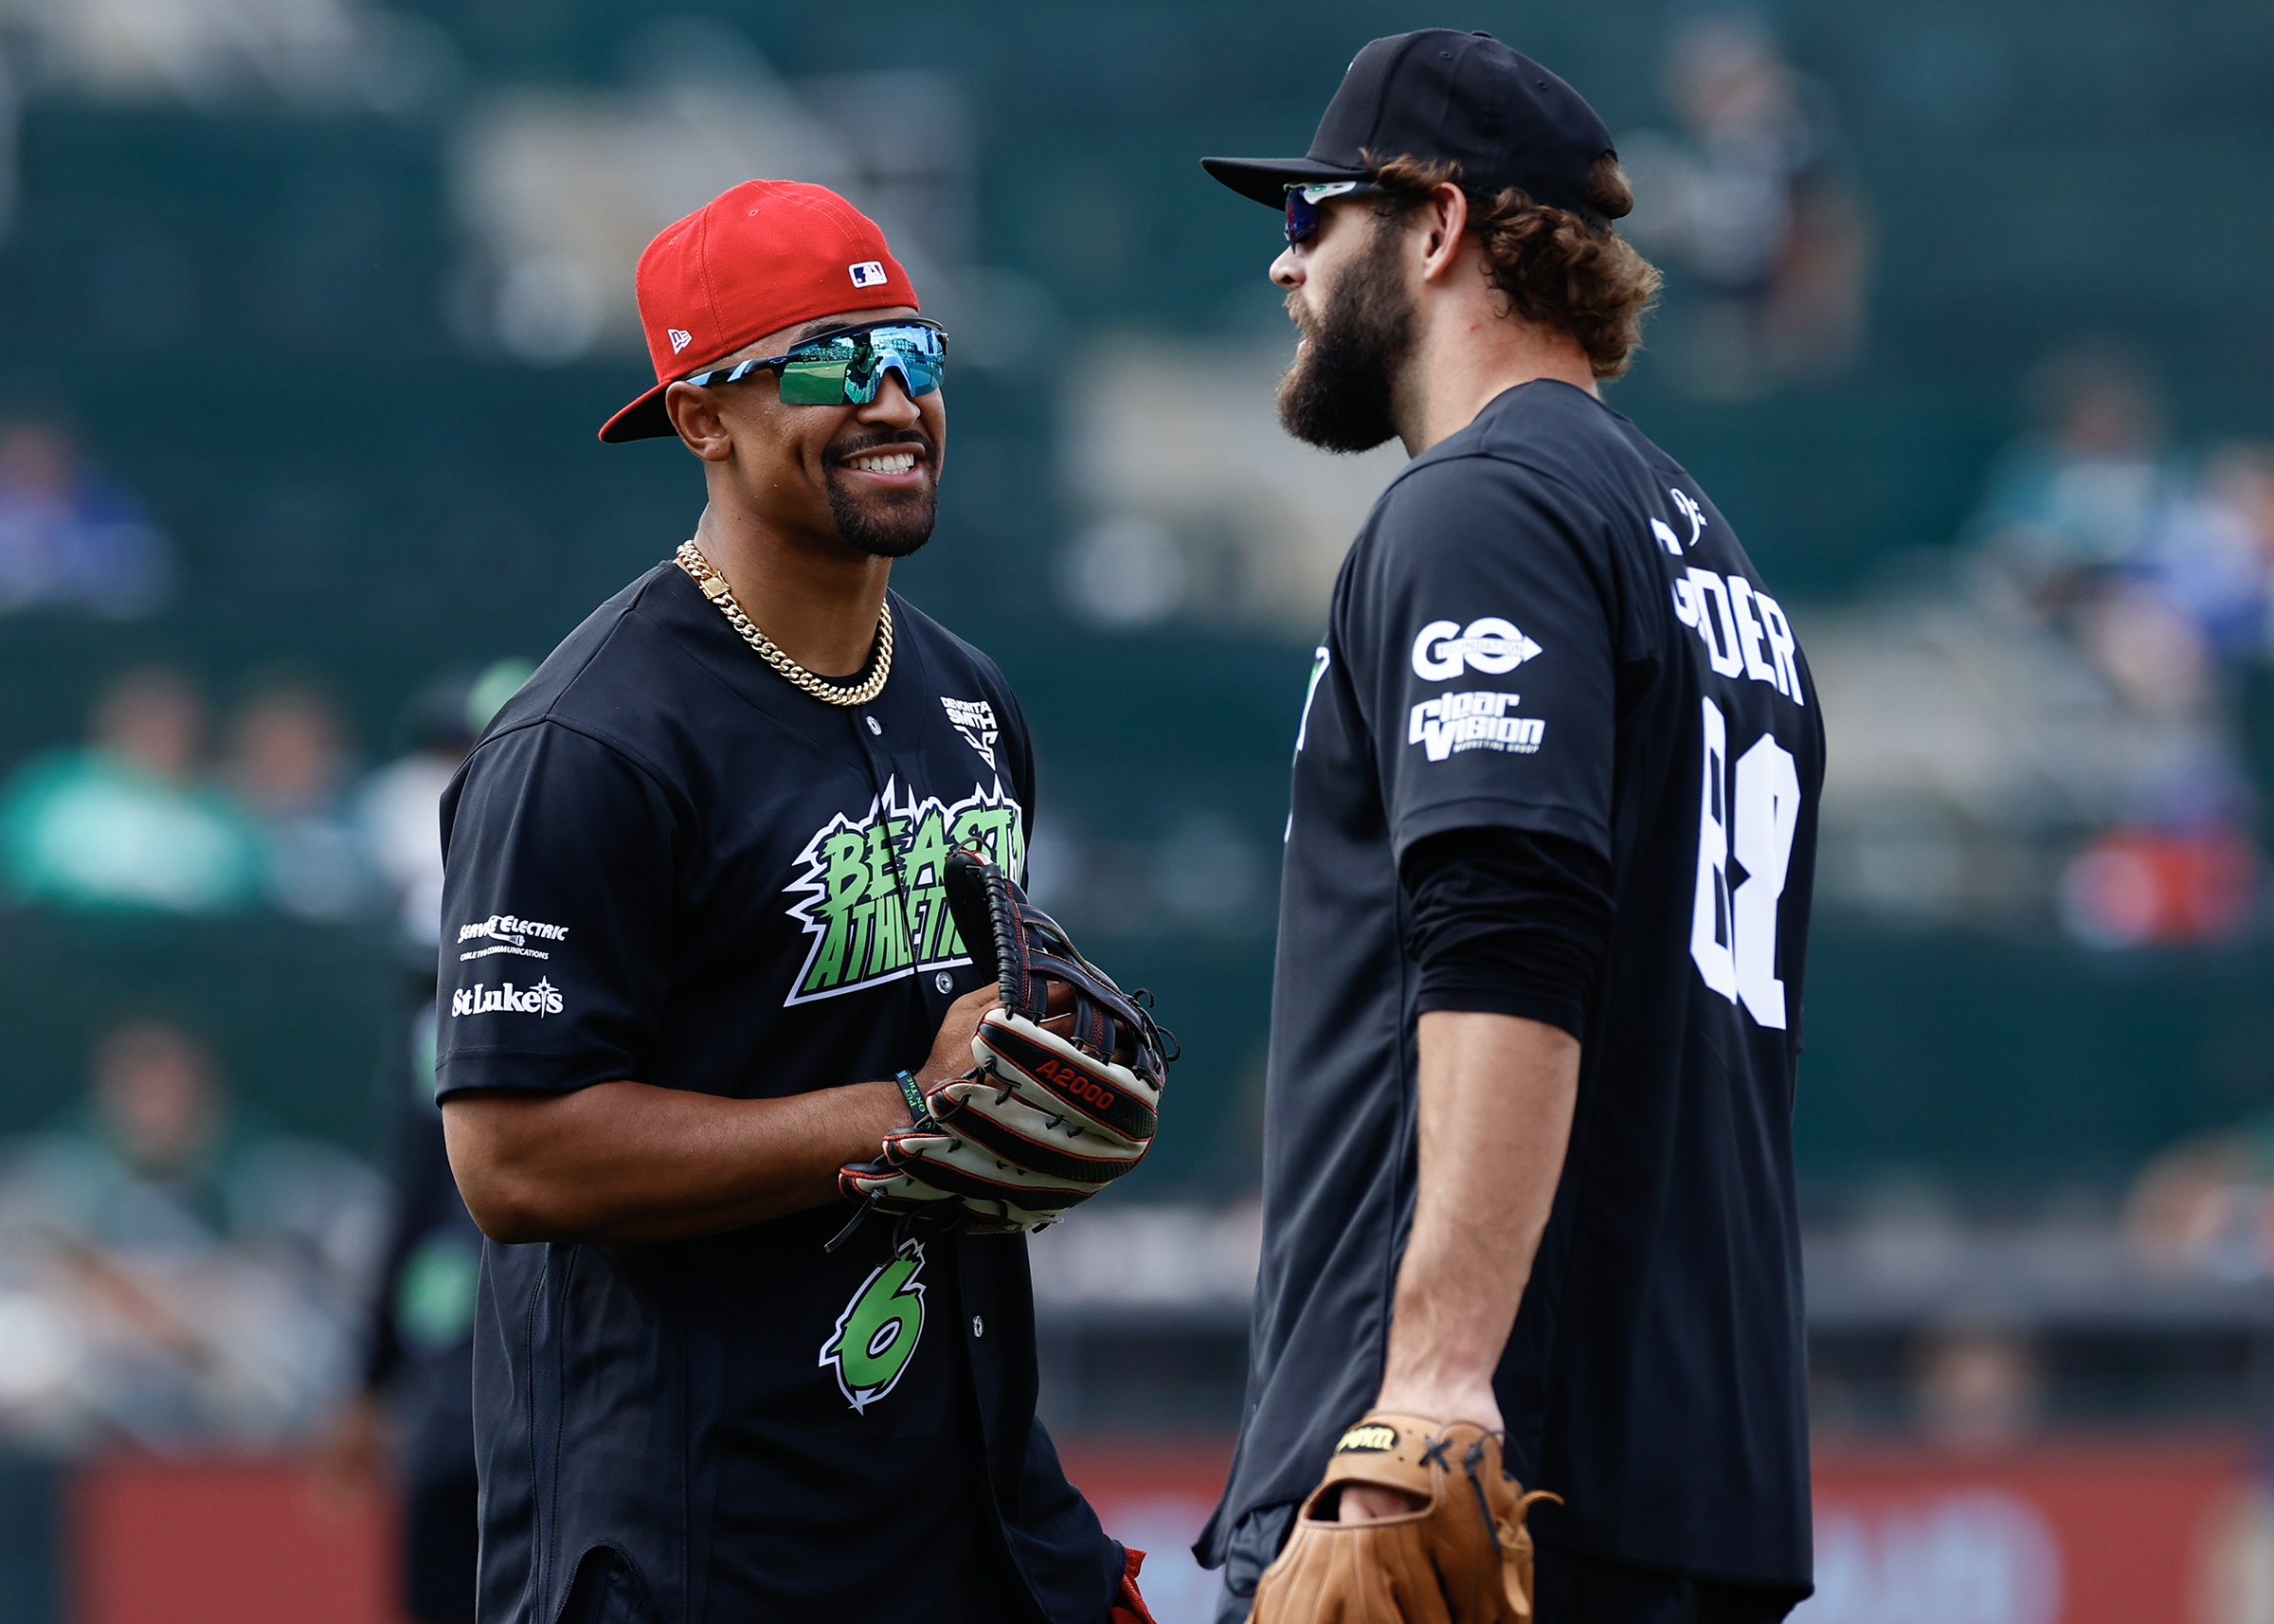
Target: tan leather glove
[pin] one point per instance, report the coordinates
(1465, 1558)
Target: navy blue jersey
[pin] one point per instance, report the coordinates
(667, 864)
(1546, 626)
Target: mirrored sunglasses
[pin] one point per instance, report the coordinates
(1304, 204)
(847, 366)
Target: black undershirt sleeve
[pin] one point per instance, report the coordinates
(1508, 922)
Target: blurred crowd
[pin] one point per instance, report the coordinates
(72, 539)
(174, 1273)
(2067, 717)
(1750, 205)
(143, 815)
(178, 1274)
(2157, 568)
(156, 809)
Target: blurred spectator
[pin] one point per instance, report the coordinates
(2133, 886)
(2214, 559)
(70, 538)
(2205, 1205)
(418, 1375)
(125, 822)
(2212, 554)
(1977, 1389)
(400, 809)
(2077, 497)
(288, 765)
(2090, 528)
(1752, 207)
(170, 1275)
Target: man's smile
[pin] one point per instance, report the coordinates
(890, 465)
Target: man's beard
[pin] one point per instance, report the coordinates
(1337, 395)
(884, 524)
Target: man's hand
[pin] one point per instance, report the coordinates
(1363, 1502)
(1063, 1094)
(951, 1050)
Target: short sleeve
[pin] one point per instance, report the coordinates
(559, 855)
(1494, 689)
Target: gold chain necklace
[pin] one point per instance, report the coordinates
(715, 588)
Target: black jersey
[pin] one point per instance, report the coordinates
(1546, 626)
(667, 864)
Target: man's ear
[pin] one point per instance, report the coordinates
(1445, 216)
(694, 411)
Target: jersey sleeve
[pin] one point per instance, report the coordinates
(556, 915)
(1489, 634)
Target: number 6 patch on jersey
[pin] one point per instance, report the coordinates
(876, 1335)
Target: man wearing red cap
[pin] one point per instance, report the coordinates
(695, 903)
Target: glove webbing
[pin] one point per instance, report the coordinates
(1031, 949)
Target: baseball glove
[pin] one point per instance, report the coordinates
(1465, 1558)
(1064, 1095)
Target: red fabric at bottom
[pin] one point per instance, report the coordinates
(1130, 1608)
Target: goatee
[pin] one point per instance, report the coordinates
(884, 525)
(1337, 395)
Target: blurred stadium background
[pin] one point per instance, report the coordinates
(309, 310)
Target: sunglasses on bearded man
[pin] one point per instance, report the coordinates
(1303, 211)
(847, 366)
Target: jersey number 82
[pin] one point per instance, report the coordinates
(1750, 816)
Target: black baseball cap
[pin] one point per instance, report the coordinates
(1441, 93)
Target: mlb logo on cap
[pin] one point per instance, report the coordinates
(867, 274)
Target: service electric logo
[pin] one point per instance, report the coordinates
(1489, 644)
(868, 274)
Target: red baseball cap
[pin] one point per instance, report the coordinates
(756, 259)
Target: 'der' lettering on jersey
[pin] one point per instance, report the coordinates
(858, 872)
(1745, 631)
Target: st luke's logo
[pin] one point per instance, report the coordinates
(876, 1336)
(540, 1000)
(873, 896)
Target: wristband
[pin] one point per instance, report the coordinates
(914, 1095)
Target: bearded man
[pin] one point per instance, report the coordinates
(1527, 1160)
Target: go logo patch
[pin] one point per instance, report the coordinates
(1489, 644)
(876, 1336)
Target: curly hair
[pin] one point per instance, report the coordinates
(1554, 267)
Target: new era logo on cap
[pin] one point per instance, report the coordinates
(867, 274)
(680, 338)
